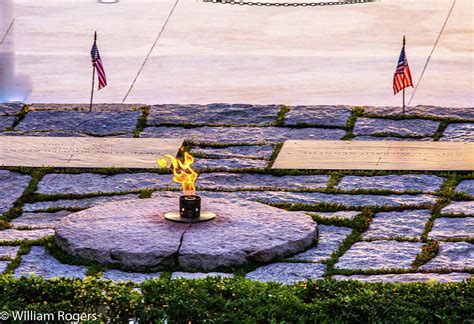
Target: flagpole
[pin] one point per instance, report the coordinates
(93, 76)
(403, 105)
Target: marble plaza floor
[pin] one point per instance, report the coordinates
(373, 226)
(189, 51)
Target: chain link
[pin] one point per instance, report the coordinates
(288, 4)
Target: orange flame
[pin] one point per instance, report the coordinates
(182, 172)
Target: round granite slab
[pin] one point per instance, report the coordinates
(135, 234)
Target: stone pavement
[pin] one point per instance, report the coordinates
(373, 226)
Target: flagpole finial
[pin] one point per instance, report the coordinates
(95, 35)
(404, 40)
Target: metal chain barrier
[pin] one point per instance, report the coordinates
(289, 4)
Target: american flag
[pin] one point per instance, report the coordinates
(97, 64)
(402, 78)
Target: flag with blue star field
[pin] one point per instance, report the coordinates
(402, 78)
(97, 64)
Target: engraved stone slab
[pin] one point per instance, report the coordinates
(288, 273)
(361, 155)
(39, 263)
(452, 255)
(379, 255)
(134, 234)
(84, 152)
(408, 277)
(450, 227)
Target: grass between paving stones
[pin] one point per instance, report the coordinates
(351, 121)
(445, 193)
(142, 121)
(441, 128)
(428, 251)
(280, 120)
(19, 117)
(237, 300)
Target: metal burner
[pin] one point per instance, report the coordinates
(190, 211)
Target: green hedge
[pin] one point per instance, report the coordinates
(239, 300)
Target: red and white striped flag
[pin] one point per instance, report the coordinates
(97, 64)
(402, 78)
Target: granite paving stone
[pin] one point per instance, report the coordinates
(12, 235)
(424, 111)
(459, 208)
(391, 138)
(419, 182)
(8, 252)
(459, 133)
(87, 183)
(240, 151)
(452, 255)
(214, 114)
(222, 180)
(450, 227)
(243, 134)
(329, 240)
(74, 203)
(317, 197)
(3, 266)
(97, 123)
(40, 220)
(199, 275)
(6, 122)
(46, 134)
(318, 115)
(39, 263)
(288, 273)
(101, 107)
(12, 185)
(466, 186)
(229, 164)
(407, 224)
(379, 255)
(405, 127)
(137, 277)
(8, 109)
(408, 277)
(350, 215)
